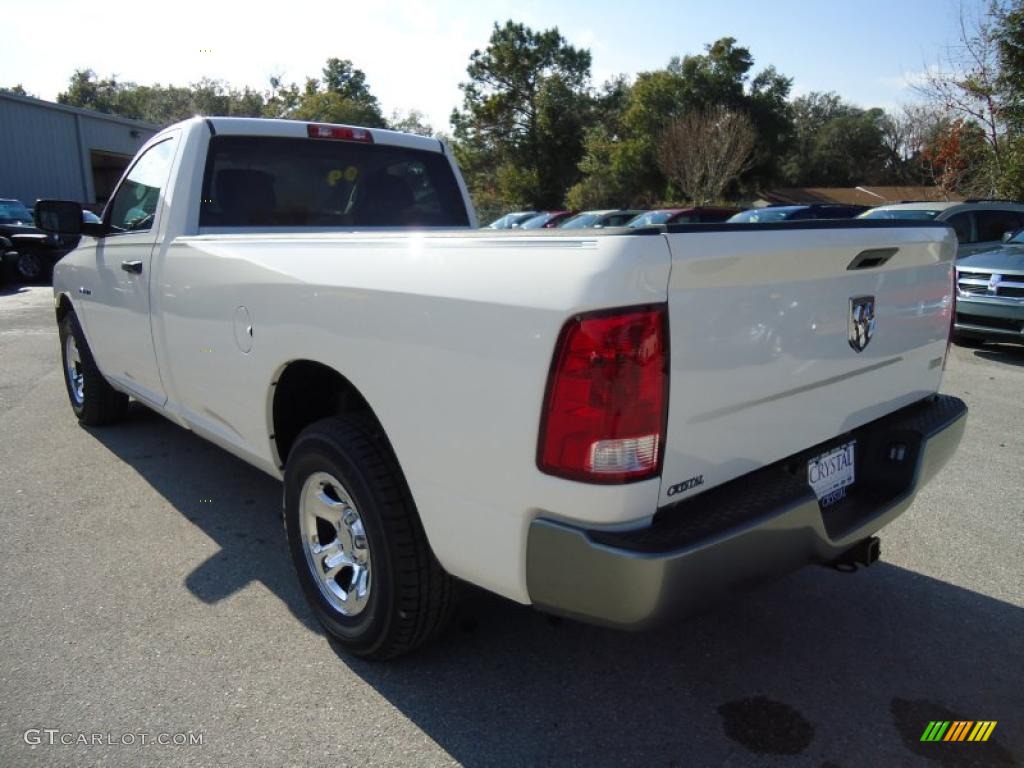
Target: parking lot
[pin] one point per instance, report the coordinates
(147, 590)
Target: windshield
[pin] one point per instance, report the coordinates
(14, 212)
(582, 221)
(651, 218)
(761, 215)
(914, 214)
(510, 220)
(537, 222)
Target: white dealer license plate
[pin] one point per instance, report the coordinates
(831, 473)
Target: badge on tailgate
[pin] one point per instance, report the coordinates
(830, 473)
(861, 322)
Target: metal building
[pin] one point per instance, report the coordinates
(52, 150)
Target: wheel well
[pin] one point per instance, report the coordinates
(63, 307)
(305, 392)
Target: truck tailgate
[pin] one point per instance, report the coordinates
(762, 361)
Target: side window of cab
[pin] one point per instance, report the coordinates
(134, 205)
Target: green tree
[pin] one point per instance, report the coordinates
(342, 97)
(330, 107)
(282, 99)
(519, 134)
(412, 121)
(603, 184)
(342, 79)
(87, 91)
(848, 150)
(1008, 33)
(158, 103)
(810, 113)
(626, 152)
(1009, 36)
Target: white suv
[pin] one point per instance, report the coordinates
(980, 224)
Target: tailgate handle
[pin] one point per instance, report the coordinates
(874, 257)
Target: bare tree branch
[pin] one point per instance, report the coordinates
(703, 150)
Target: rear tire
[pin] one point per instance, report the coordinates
(357, 543)
(93, 400)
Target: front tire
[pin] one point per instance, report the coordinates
(93, 400)
(357, 542)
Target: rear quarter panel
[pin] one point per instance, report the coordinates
(449, 337)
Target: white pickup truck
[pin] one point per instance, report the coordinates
(616, 425)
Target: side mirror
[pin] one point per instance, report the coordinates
(62, 217)
(1008, 236)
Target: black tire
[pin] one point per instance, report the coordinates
(100, 403)
(410, 598)
(32, 268)
(967, 341)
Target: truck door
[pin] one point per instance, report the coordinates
(117, 312)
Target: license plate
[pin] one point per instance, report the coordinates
(830, 473)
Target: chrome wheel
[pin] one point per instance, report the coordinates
(73, 370)
(335, 543)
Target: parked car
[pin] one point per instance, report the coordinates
(990, 295)
(599, 219)
(622, 439)
(694, 215)
(27, 252)
(15, 218)
(511, 220)
(546, 220)
(796, 213)
(979, 224)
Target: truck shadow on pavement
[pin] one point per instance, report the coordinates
(1009, 354)
(821, 669)
(234, 504)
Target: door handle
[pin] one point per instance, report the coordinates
(135, 267)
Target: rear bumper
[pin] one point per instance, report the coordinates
(743, 533)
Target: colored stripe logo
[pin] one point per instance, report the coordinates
(958, 730)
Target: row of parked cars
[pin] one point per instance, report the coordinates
(990, 257)
(620, 217)
(625, 217)
(979, 224)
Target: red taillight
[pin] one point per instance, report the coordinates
(607, 399)
(342, 132)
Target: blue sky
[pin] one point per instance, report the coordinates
(415, 53)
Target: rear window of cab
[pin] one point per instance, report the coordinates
(257, 181)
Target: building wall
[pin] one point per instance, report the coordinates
(45, 148)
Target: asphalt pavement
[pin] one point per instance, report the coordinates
(146, 594)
